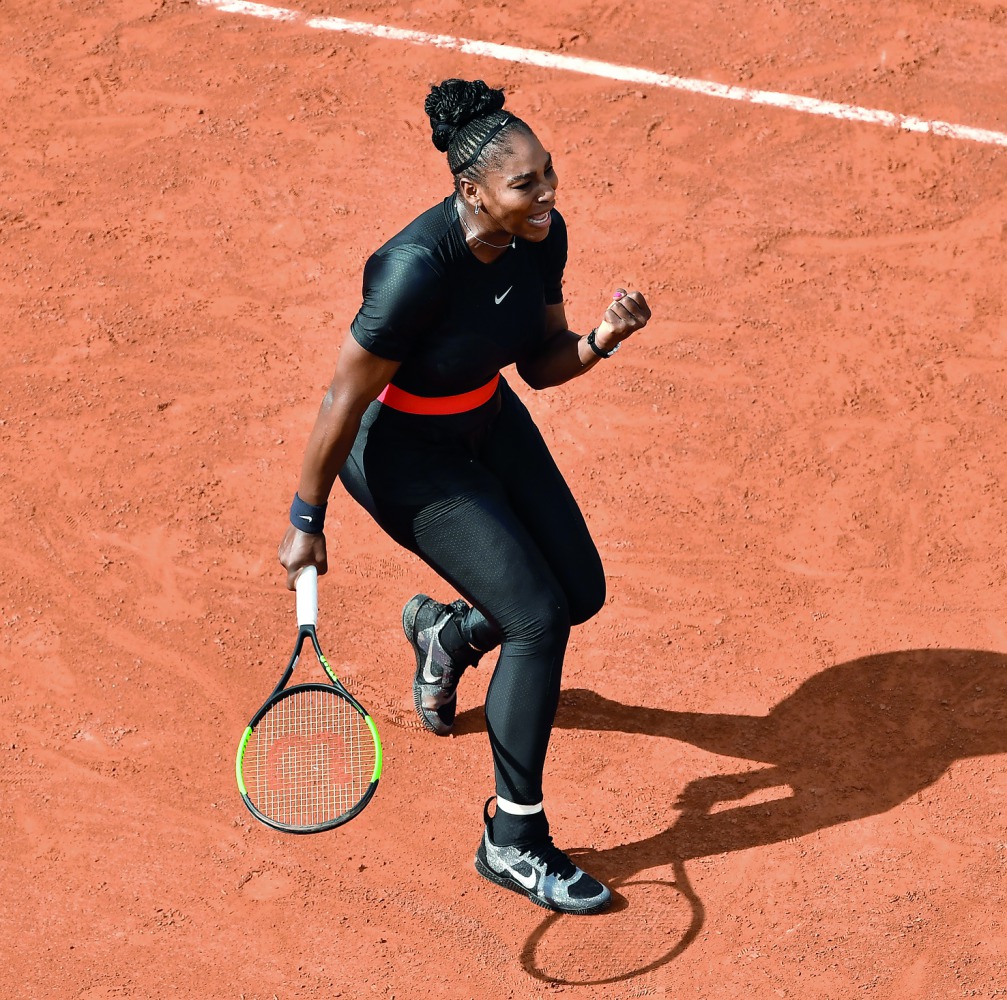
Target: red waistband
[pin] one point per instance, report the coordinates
(437, 406)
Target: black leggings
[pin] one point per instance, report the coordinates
(479, 498)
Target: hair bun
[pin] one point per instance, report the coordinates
(443, 134)
(454, 103)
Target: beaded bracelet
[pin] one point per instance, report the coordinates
(597, 350)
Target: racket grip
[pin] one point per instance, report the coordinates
(306, 586)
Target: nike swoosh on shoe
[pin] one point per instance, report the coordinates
(428, 676)
(528, 881)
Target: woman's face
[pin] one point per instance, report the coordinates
(519, 194)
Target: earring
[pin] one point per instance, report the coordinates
(476, 210)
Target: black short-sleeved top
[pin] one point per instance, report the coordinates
(451, 320)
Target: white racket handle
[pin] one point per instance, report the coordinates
(306, 585)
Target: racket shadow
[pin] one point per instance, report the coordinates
(614, 938)
(855, 740)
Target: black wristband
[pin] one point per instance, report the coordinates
(306, 516)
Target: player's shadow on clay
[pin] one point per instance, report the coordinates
(852, 741)
(855, 740)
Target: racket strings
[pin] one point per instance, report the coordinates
(310, 759)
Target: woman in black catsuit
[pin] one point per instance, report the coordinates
(426, 434)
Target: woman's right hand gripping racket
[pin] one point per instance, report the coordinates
(310, 758)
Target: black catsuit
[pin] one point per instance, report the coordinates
(476, 494)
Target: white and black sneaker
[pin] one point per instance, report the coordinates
(442, 656)
(542, 872)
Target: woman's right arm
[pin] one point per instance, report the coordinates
(358, 379)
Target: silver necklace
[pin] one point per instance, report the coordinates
(506, 246)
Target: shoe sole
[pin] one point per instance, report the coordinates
(409, 613)
(483, 869)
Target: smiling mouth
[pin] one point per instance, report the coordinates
(540, 220)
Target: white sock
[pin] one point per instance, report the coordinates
(516, 809)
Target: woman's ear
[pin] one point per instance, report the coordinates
(469, 191)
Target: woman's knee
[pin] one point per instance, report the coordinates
(589, 599)
(539, 623)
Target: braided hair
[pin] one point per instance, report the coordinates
(467, 122)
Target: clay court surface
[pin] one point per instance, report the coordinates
(783, 740)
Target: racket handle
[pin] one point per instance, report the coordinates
(306, 586)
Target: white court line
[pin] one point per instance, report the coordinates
(629, 74)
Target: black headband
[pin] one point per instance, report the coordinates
(493, 133)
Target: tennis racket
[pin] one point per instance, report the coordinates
(310, 759)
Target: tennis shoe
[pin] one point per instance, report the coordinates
(543, 873)
(438, 668)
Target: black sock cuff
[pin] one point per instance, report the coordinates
(507, 830)
(478, 632)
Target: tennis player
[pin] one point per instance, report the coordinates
(425, 433)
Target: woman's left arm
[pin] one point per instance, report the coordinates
(565, 354)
